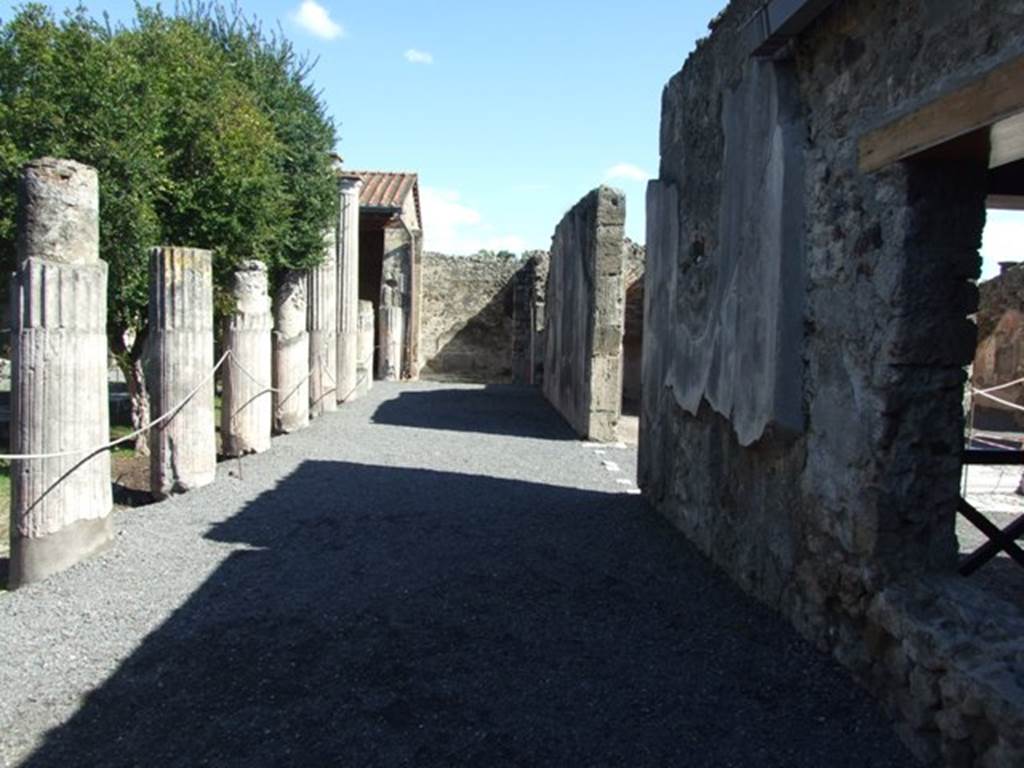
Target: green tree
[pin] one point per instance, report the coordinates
(204, 132)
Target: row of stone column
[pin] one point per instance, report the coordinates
(287, 361)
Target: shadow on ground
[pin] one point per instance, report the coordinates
(523, 413)
(405, 617)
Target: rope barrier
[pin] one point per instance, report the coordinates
(993, 398)
(114, 443)
(1007, 385)
(227, 356)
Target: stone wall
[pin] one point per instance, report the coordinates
(467, 327)
(584, 315)
(805, 336)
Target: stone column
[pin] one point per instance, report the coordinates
(348, 289)
(392, 331)
(247, 405)
(367, 333)
(183, 448)
(321, 292)
(60, 507)
(291, 355)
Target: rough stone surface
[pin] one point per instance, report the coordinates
(291, 354)
(584, 315)
(820, 516)
(183, 449)
(467, 328)
(391, 336)
(365, 348)
(348, 290)
(247, 405)
(58, 212)
(321, 293)
(59, 506)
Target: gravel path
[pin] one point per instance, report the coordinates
(436, 575)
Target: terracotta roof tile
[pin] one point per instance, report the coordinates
(383, 189)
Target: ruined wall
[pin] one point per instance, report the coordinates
(805, 332)
(633, 325)
(1000, 355)
(584, 315)
(528, 299)
(467, 327)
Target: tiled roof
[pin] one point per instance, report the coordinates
(388, 190)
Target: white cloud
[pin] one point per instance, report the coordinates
(418, 57)
(627, 171)
(316, 20)
(1003, 240)
(450, 226)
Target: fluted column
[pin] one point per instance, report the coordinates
(392, 335)
(291, 355)
(348, 289)
(60, 507)
(247, 406)
(183, 448)
(365, 348)
(322, 308)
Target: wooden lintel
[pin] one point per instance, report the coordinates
(995, 96)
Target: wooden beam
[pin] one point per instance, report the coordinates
(995, 96)
(993, 457)
(1004, 540)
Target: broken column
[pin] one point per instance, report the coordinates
(348, 289)
(60, 506)
(365, 349)
(291, 355)
(247, 405)
(183, 448)
(323, 323)
(392, 334)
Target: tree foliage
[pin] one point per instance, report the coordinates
(204, 130)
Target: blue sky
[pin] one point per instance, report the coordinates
(509, 111)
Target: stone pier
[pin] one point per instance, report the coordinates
(392, 332)
(291, 355)
(348, 289)
(366, 338)
(322, 298)
(60, 507)
(585, 314)
(183, 448)
(247, 407)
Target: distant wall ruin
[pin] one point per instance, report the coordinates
(805, 337)
(584, 315)
(467, 329)
(999, 358)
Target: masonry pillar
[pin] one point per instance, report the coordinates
(348, 289)
(392, 333)
(183, 448)
(60, 507)
(247, 405)
(291, 355)
(367, 334)
(321, 291)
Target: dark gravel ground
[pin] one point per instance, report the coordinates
(437, 575)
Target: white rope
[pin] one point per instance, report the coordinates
(228, 355)
(1000, 386)
(131, 436)
(1005, 403)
